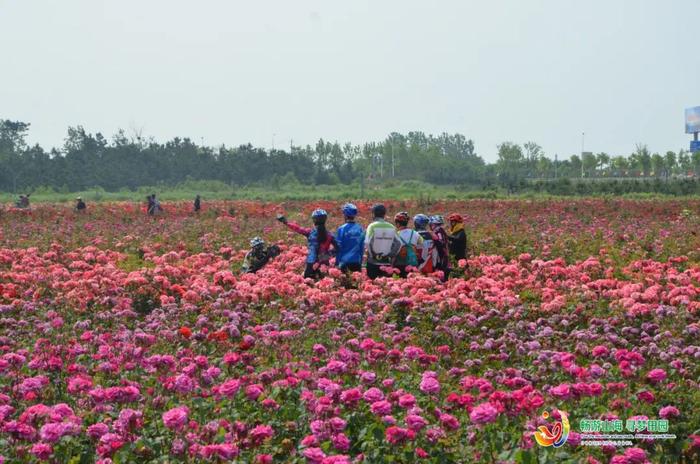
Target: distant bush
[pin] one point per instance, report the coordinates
(203, 186)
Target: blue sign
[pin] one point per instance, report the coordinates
(694, 146)
(692, 120)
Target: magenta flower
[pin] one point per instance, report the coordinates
(224, 451)
(656, 375)
(51, 432)
(635, 455)
(415, 422)
(176, 418)
(229, 388)
(261, 433)
(340, 442)
(381, 408)
(373, 394)
(562, 391)
(396, 435)
(407, 400)
(449, 421)
(42, 451)
(483, 413)
(314, 455)
(253, 392)
(668, 412)
(429, 385)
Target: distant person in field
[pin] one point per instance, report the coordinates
(350, 238)
(440, 241)
(382, 243)
(23, 201)
(411, 244)
(457, 237)
(258, 256)
(197, 203)
(154, 207)
(321, 244)
(80, 205)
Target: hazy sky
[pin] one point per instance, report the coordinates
(240, 71)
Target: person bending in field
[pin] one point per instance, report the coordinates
(457, 237)
(321, 244)
(23, 201)
(411, 244)
(197, 204)
(154, 207)
(440, 243)
(80, 205)
(258, 256)
(350, 238)
(382, 243)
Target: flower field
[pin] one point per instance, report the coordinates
(128, 338)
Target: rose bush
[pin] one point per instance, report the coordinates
(126, 338)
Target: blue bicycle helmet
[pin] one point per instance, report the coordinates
(349, 210)
(421, 220)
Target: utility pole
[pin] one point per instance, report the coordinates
(392, 156)
(556, 161)
(583, 140)
(381, 166)
(273, 141)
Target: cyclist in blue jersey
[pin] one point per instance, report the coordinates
(350, 238)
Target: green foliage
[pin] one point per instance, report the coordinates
(114, 170)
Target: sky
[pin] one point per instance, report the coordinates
(232, 72)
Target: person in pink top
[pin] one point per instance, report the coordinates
(321, 244)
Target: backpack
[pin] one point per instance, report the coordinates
(407, 253)
(429, 259)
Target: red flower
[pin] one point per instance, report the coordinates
(185, 331)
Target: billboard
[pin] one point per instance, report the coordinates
(692, 120)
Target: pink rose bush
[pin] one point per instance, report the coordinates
(126, 338)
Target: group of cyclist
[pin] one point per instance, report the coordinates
(426, 247)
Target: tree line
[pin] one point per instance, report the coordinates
(130, 161)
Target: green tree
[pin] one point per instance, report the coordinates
(620, 166)
(590, 162)
(603, 163)
(12, 144)
(670, 160)
(533, 153)
(695, 160)
(684, 162)
(510, 165)
(658, 165)
(642, 159)
(575, 166)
